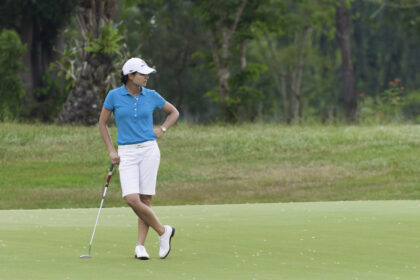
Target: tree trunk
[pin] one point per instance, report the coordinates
(283, 91)
(281, 87)
(348, 80)
(26, 35)
(84, 102)
(242, 54)
(222, 68)
(224, 74)
(221, 61)
(301, 41)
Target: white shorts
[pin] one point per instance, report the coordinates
(139, 164)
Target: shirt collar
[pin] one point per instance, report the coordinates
(125, 91)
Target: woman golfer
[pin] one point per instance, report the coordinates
(138, 153)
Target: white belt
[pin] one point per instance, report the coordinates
(138, 145)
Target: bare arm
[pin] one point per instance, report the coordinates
(103, 130)
(173, 115)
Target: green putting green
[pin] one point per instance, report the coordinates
(321, 240)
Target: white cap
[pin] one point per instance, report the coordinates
(136, 65)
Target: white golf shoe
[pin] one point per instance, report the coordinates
(141, 253)
(165, 241)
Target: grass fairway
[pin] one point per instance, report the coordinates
(316, 240)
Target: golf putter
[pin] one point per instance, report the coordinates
(88, 256)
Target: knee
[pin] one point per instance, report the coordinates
(146, 199)
(132, 199)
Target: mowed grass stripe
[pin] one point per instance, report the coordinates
(324, 240)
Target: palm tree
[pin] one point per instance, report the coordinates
(83, 104)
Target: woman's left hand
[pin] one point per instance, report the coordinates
(158, 132)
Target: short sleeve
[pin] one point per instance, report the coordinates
(109, 102)
(159, 100)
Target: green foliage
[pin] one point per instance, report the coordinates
(168, 35)
(67, 67)
(46, 17)
(301, 58)
(174, 37)
(322, 83)
(50, 96)
(211, 12)
(393, 96)
(385, 46)
(385, 107)
(411, 108)
(245, 94)
(220, 18)
(244, 97)
(108, 41)
(11, 86)
(39, 24)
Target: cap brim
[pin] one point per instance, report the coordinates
(147, 70)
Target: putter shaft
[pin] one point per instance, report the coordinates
(99, 212)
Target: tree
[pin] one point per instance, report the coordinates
(285, 46)
(289, 71)
(348, 78)
(38, 24)
(168, 35)
(11, 87)
(230, 26)
(100, 44)
(222, 18)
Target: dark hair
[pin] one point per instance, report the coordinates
(124, 78)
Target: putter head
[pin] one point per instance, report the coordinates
(85, 256)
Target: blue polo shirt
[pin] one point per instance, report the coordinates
(134, 116)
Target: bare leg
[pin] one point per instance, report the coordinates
(143, 227)
(144, 212)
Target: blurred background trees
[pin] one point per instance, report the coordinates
(11, 86)
(39, 25)
(231, 61)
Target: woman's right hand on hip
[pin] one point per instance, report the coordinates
(115, 158)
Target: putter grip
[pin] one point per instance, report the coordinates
(111, 167)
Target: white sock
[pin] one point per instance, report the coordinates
(160, 236)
